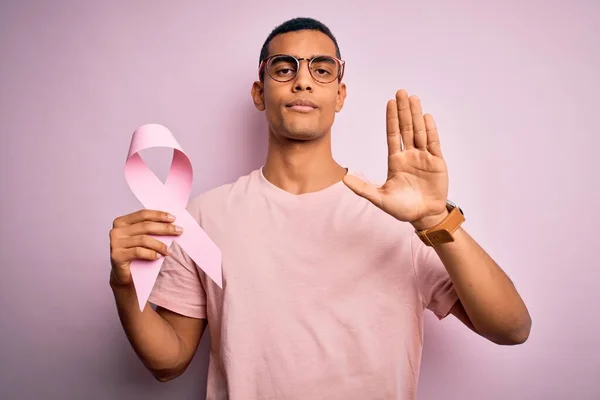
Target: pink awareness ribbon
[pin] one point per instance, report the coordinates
(172, 197)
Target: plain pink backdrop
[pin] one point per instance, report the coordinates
(513, 86)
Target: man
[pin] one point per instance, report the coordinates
(326, 277)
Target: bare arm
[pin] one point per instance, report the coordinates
(164, 341)
(489, 302)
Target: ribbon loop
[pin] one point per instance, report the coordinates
(171, 197)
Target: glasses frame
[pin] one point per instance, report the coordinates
(265, 62)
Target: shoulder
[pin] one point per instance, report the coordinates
(216, 197)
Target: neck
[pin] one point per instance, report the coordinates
(301, 166)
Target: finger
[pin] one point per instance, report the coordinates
(419, 132)
(393, 128)
(146, 242)
(138, 253)
(142, 215)
(405, 119)
(152, 228)
(433, 139)
(364, 189)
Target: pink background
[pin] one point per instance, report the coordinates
(513, 86)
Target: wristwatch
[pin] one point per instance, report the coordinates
(442, 232)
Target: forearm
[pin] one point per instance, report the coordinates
(488, 296)
(153, 339)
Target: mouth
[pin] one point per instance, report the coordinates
(302, 105)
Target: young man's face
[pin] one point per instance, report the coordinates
(300, 123)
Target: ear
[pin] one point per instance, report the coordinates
(258, 97)
(341, 96)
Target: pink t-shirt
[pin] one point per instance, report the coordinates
(323, 294)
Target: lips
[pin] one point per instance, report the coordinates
(303, 106)
(303, 103)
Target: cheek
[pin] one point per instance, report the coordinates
(272, 102)
(273, 113)
(330, 107)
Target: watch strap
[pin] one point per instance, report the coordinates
(443, 231)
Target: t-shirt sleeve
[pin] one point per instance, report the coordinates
(178, 287)
(437, 289)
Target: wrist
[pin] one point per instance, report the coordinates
(429, 221)
(116, 284)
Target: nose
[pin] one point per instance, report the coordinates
(304, 80)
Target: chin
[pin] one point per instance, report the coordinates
(298, 127)
(303, 133)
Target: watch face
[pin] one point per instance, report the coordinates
(450, 205)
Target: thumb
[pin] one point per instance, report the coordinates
(363, 189)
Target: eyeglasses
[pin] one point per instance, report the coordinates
(284, 68)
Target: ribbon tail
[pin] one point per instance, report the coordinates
(196, 243)
(144, 274)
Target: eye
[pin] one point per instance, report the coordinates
(284, 71)
(322, 72)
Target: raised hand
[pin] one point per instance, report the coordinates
(416, 188)
(130, 239)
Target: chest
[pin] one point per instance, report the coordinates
(307, 257)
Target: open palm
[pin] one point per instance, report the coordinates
(417, 179)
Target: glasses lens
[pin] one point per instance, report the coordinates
(325, 69)
(282, 68)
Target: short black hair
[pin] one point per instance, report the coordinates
(297, 24)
